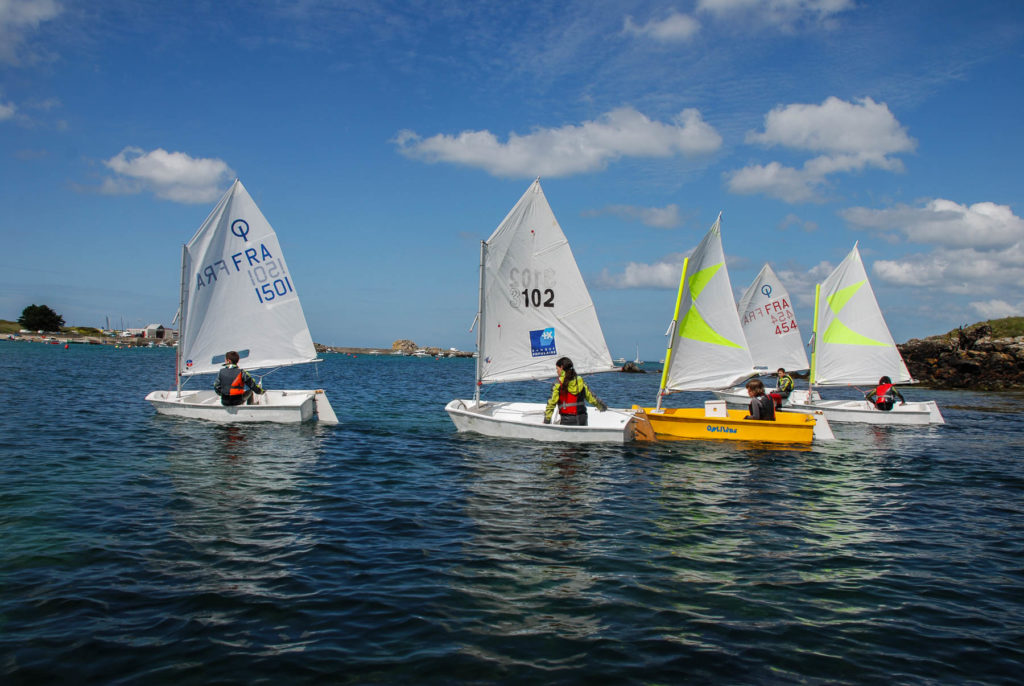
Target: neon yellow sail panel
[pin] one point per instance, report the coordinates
(769, 324)
(702, 278)
(709, 350)
(695, 328)
(852, 343)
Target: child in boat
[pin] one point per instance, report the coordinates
(231, 382)
(783, 389)
(762, 407)
(570, 394)
(885, 394)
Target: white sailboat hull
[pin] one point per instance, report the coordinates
(281, 407)
(737, 396)
(864, 412)
(526, 421)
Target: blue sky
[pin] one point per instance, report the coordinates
(384, 140)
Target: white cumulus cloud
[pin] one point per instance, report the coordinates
(997, 309)
(18, 18)
(674, 28)
(780, 13)
(849, 136)
(664, 273)
(960, 271)
(7, 110)
(567, 150)
(982, 226)
(170, 175)
(835, 126)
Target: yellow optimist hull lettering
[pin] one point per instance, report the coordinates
(682, 423)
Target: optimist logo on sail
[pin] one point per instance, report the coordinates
(542, 342)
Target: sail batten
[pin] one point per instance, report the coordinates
(535, 306)
(237, 293)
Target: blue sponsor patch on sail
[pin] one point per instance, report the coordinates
(542, 342)
(219, 359)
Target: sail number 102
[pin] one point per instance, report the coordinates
(537, 298)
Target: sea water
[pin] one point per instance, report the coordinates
(138, 548)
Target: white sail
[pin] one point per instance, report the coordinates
(237, 293)
(769, 324)
(852, 344)
(534, 305)
(707, 349)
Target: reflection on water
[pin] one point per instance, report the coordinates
(142, 548)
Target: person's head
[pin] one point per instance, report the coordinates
(884, 380)
(564, 366)
(231, 357)
(781, 372)
(755, 387)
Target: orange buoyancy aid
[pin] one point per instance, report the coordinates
(238, 385)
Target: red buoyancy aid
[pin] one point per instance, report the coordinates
(883, 395)
(571, 403)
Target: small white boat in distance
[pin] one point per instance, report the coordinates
(534, 308)
(853, 346)
(237, 294)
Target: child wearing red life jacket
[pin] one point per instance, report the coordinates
(885, 394)
(570, 394)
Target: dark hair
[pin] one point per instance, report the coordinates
(756, 385)
(231, 356)
(781, 370)
(884, 379)
(565, 364)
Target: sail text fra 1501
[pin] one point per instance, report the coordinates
(237, 294)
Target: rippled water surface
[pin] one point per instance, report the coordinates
(144, 549)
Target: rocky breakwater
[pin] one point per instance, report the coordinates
(951, 361)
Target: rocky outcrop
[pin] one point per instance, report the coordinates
(962, 362)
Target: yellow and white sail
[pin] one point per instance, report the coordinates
(707, 348)
(852, 344)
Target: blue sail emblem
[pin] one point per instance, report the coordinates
(542, 342)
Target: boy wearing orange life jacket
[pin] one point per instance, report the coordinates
(570, 394)
(231, 382)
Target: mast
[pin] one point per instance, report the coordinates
(672, 334)
(480, 326)
(181, 321)
(814, 337)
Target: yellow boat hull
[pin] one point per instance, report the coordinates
(683, 423)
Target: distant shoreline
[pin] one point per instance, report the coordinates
(118, 341)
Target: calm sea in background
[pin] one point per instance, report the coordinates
(136, 548)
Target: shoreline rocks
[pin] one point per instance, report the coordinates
(987, 364)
